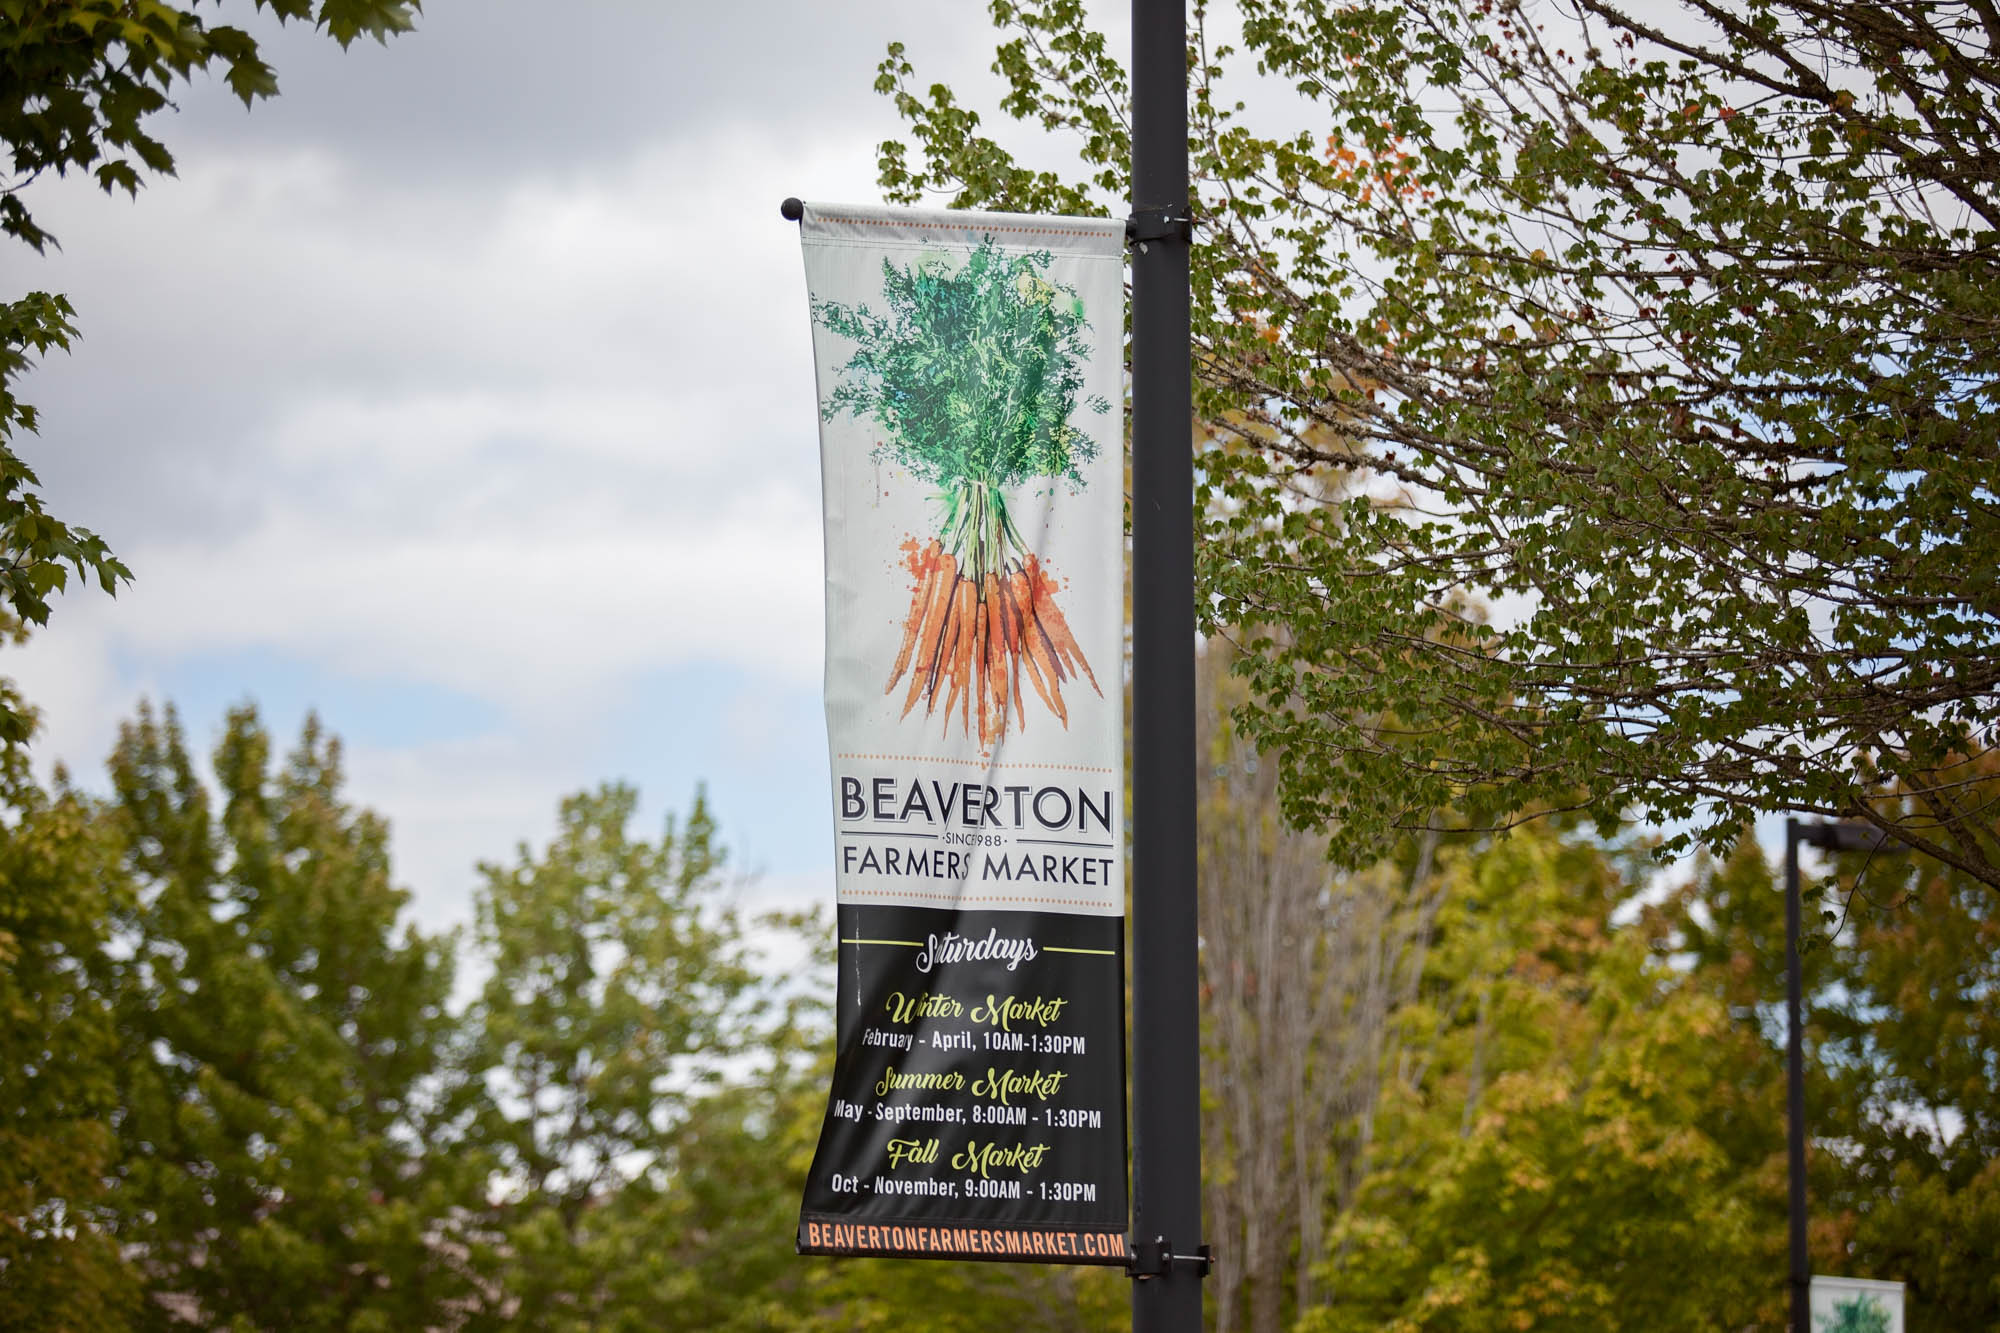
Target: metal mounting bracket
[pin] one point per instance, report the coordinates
(1158, 224)
(1152, 1258)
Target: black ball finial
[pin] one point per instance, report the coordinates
(793, 209)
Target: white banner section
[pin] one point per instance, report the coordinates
(971, 443)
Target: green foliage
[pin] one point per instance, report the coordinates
(60, 886)
(715, 1243)
(1902, 1033)
(79, 81)
(38, 552)
(1669, 341)
(620, 982)
(1910, 1035)
(973, 373)
(286, 1161)
(890, 1295)
(1541, 1139)
(79, 78)
(975, 370)
(248, 1103)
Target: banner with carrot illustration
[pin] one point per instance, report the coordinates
(970, 385)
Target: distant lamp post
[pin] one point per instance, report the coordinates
(1845, 837)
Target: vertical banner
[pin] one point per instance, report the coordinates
(970, 380)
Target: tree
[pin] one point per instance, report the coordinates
(1901, 1036)
(1663, 337)
(288, 1157)
(1541, 1133)
(1913, 1039)
(1727, 921)
(60, 1266)
(713, 1239)
(1304, 972)
(1909, 1033)
(621, 982)
(79, 81)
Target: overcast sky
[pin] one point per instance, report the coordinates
(463, 394)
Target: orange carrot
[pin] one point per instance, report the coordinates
(981, 645)
(1047, 687)
(1011, 625)
(947, 668)
(1059, 634)
(966, 600)
(932, 633)
(1039, 645)
(1034, 597)
(1050, 616)
(998, 584)
(920, 606)
(965, 641)
(1010, 635)
(1024, 595)
(996, 648)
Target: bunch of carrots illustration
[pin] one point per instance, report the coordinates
(972, 373)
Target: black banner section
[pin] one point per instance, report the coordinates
(978, 1100)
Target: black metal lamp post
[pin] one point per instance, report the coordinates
(1166, 1068)
(1832, 838)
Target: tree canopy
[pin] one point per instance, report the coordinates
(1602, 398)
(1524, 1074)
(60, 1268)
(287, 1153)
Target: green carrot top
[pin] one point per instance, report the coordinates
(972, 373)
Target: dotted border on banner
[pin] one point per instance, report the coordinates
(974, 763)
(964, 900)
(904, 225)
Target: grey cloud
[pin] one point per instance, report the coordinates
(504, 87)
(347, 240)
(219, 333)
